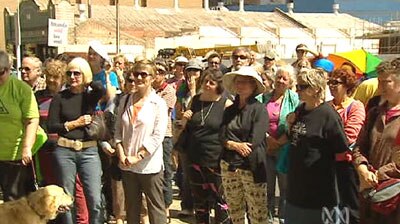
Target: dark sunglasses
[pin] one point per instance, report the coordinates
(75, 73)
(161, 72)
(302, 87)
(142, 74)
(334, 82)
(129, 80)
(242, 57)
(25, 69)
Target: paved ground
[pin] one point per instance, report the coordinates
(175, 208)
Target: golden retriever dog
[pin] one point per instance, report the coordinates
(37, 208)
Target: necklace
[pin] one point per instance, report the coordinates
(203, 118)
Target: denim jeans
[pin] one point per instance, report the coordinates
(87, 164)
(272, 174)
(168, 171)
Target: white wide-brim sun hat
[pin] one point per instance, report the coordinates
(249, 71)
(100, 49)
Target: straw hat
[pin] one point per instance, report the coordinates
(249, 71)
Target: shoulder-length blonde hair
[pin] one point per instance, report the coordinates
(315, 78)
(84, 68)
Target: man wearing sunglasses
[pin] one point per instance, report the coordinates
(240, 57)
(269, 62)
(31, 73)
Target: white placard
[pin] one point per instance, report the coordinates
(58, 33)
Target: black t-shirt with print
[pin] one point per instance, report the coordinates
(315, 137)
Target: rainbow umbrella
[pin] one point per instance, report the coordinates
(363, 61)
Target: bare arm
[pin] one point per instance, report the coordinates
(31, 126)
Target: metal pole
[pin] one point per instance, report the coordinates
(18, 41)
(117, 21)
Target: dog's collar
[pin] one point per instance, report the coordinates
(42, 217)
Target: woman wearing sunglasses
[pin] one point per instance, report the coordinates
(76, 153)
(316, 134)
(342, 84)
(140, 129)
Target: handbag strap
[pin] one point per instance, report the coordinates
(35, 183)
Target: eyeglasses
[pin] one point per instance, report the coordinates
(334, 82)
(75, 73)
(300, 87)
(24, 69)
(214, 62)
(129, 80)
(142, 74)
(161, 72)
(242, 57)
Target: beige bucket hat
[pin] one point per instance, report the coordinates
(249, 71)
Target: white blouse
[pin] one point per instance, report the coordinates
(148, 130)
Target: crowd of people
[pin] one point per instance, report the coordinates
(226, 135)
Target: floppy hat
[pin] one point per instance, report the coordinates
(194, 64)
(100, 49)
(249, 71)
(325, 64)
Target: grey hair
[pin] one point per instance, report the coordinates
(4, 61)
(316, 79)
(37, 62)
(288, 69)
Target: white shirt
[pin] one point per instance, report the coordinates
(148, 130)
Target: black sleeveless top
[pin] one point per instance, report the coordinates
(203, 132)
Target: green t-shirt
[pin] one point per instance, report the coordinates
(17, 102)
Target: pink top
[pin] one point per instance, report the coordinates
(352, 113)
(274, 110)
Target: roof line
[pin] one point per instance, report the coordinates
(287, 16)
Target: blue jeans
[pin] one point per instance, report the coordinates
(87, 164)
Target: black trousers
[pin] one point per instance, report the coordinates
(206, 186)
(348, 183)
(14, 178)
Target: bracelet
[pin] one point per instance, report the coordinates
(66, 126)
